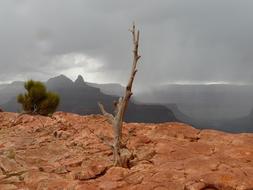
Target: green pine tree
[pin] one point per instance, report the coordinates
(37, 100)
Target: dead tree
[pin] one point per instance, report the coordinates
(120, 107)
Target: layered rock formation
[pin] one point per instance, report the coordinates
(66, 152)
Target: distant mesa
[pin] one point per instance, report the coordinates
(1, 110)
(79, 81)
(59, 81)
(63, 81)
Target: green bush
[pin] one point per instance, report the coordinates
(37, 100)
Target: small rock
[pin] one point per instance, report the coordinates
(62, 134)
(11, 180)
(111, 185)
(61, 170)
(8, 165)
(117, 173)
(195, 186)
(86, 186)
(8, 187)
(91, 172)
(10, 153)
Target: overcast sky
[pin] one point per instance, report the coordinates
(191, 41)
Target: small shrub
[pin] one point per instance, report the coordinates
(37, 100)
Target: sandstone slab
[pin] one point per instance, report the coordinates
(65, 151)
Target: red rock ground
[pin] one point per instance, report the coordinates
(65, 153)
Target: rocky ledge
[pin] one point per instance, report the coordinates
(66, 152)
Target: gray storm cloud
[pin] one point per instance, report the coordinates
(197, 40)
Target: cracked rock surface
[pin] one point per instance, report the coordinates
(65, 152)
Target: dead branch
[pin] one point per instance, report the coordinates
(105, 113)
(120, 107)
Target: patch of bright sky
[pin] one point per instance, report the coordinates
(74, 64)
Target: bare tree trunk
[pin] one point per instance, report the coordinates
(121, 106)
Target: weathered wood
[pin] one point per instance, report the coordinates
(121, 106)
